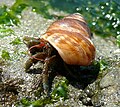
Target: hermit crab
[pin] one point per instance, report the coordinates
(66, 41)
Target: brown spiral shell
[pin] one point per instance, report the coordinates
(70, 36)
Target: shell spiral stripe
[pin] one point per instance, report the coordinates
(70, 36)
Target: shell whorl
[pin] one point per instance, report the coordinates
(70, 36)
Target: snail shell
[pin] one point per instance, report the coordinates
(70, 36)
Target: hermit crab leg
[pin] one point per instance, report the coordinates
(45, 73)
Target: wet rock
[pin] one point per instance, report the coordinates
(111, 79)
(108, 90)
(106, 87)
(110, 86)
